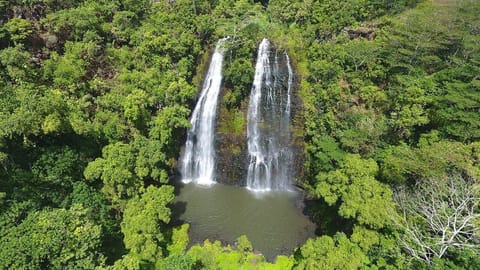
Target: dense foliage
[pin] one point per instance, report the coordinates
(95, 98)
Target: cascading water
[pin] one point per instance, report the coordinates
(273, 223)
(198, 161)
(268, 129)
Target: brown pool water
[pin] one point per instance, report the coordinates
(272, 221)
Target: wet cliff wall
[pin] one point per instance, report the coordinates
(231, 149)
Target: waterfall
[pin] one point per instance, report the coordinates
(198, 161)
(268, 127)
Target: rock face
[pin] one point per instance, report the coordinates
(51, 40)
(231, 145)
(366, 31)
(33, 12)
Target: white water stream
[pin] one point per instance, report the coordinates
(268, 129)
(198, 160)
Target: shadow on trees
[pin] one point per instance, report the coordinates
(326, 218)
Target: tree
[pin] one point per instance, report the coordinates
(75, 23)
(16, 64)
(409, 109)
(99, 209)
(215, 256)
(19, 29)
(438, 216)
(127, 262)
(324, 153)
(135, 106)
(434, 158)
(55, 172)
(238, 76)
(53, 239)
(125, 168)
(456, 108)
(122, 25)
(116, 169)
(353, 187)
(168, 125)
(144, 222)
(326, 252)
(364, 132)
(179, 240)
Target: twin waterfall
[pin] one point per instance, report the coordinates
(198, 161)
(268, 128)
(268, 124)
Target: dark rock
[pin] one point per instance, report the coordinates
(365, 31)
(231, 145)
(31, 12)
(51, 40)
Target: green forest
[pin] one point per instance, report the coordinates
(95, 99)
